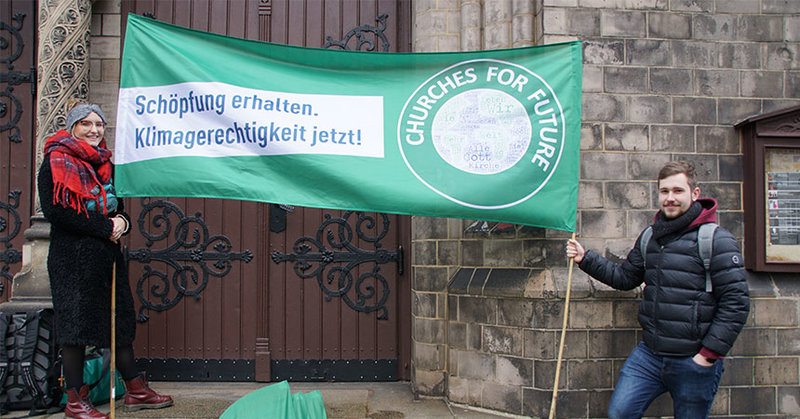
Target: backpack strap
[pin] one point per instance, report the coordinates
(28, 352)
(105, 355)
(646, 235)
(705, 243)
(5, 319)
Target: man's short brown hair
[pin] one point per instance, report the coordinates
(677, 167)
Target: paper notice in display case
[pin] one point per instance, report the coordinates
(783, 204)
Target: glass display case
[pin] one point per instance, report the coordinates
(782, 178)
(771, 190)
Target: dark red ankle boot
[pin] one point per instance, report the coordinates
(80, 407)
(138, 395)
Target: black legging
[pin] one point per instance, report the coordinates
(72, 358)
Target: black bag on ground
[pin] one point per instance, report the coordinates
(29, 362)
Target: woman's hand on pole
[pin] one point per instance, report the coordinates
(575, 250)
(119, 228)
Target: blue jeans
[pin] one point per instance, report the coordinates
(646, 376)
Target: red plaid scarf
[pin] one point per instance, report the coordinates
(77, 168)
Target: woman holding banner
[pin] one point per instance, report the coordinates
(87, 220)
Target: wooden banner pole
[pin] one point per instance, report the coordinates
(563, 334)
(111, 370)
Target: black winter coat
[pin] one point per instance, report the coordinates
(677, 315)
(79, 263)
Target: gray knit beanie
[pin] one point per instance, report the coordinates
(81, 111)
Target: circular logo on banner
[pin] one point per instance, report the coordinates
(483, 133)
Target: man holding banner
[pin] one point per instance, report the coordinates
(690, 313)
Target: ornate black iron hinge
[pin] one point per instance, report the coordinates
(13, 78)
(361, 33)
(308, 264)
(8, 255)
(185, 255)
(339, 281)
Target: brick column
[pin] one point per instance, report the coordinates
(436, 28)
(104, 60)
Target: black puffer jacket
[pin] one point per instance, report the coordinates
(677, 315)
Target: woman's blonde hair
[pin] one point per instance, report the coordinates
(72, 102)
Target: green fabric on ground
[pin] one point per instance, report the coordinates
(276, 401)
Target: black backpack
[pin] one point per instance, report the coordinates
(30, 365)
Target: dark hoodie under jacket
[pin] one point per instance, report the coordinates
(677, 315)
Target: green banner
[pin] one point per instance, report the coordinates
(490, 135)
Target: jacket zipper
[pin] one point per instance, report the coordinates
(656, 320)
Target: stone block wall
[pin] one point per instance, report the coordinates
(663, 79)
(503, 330)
